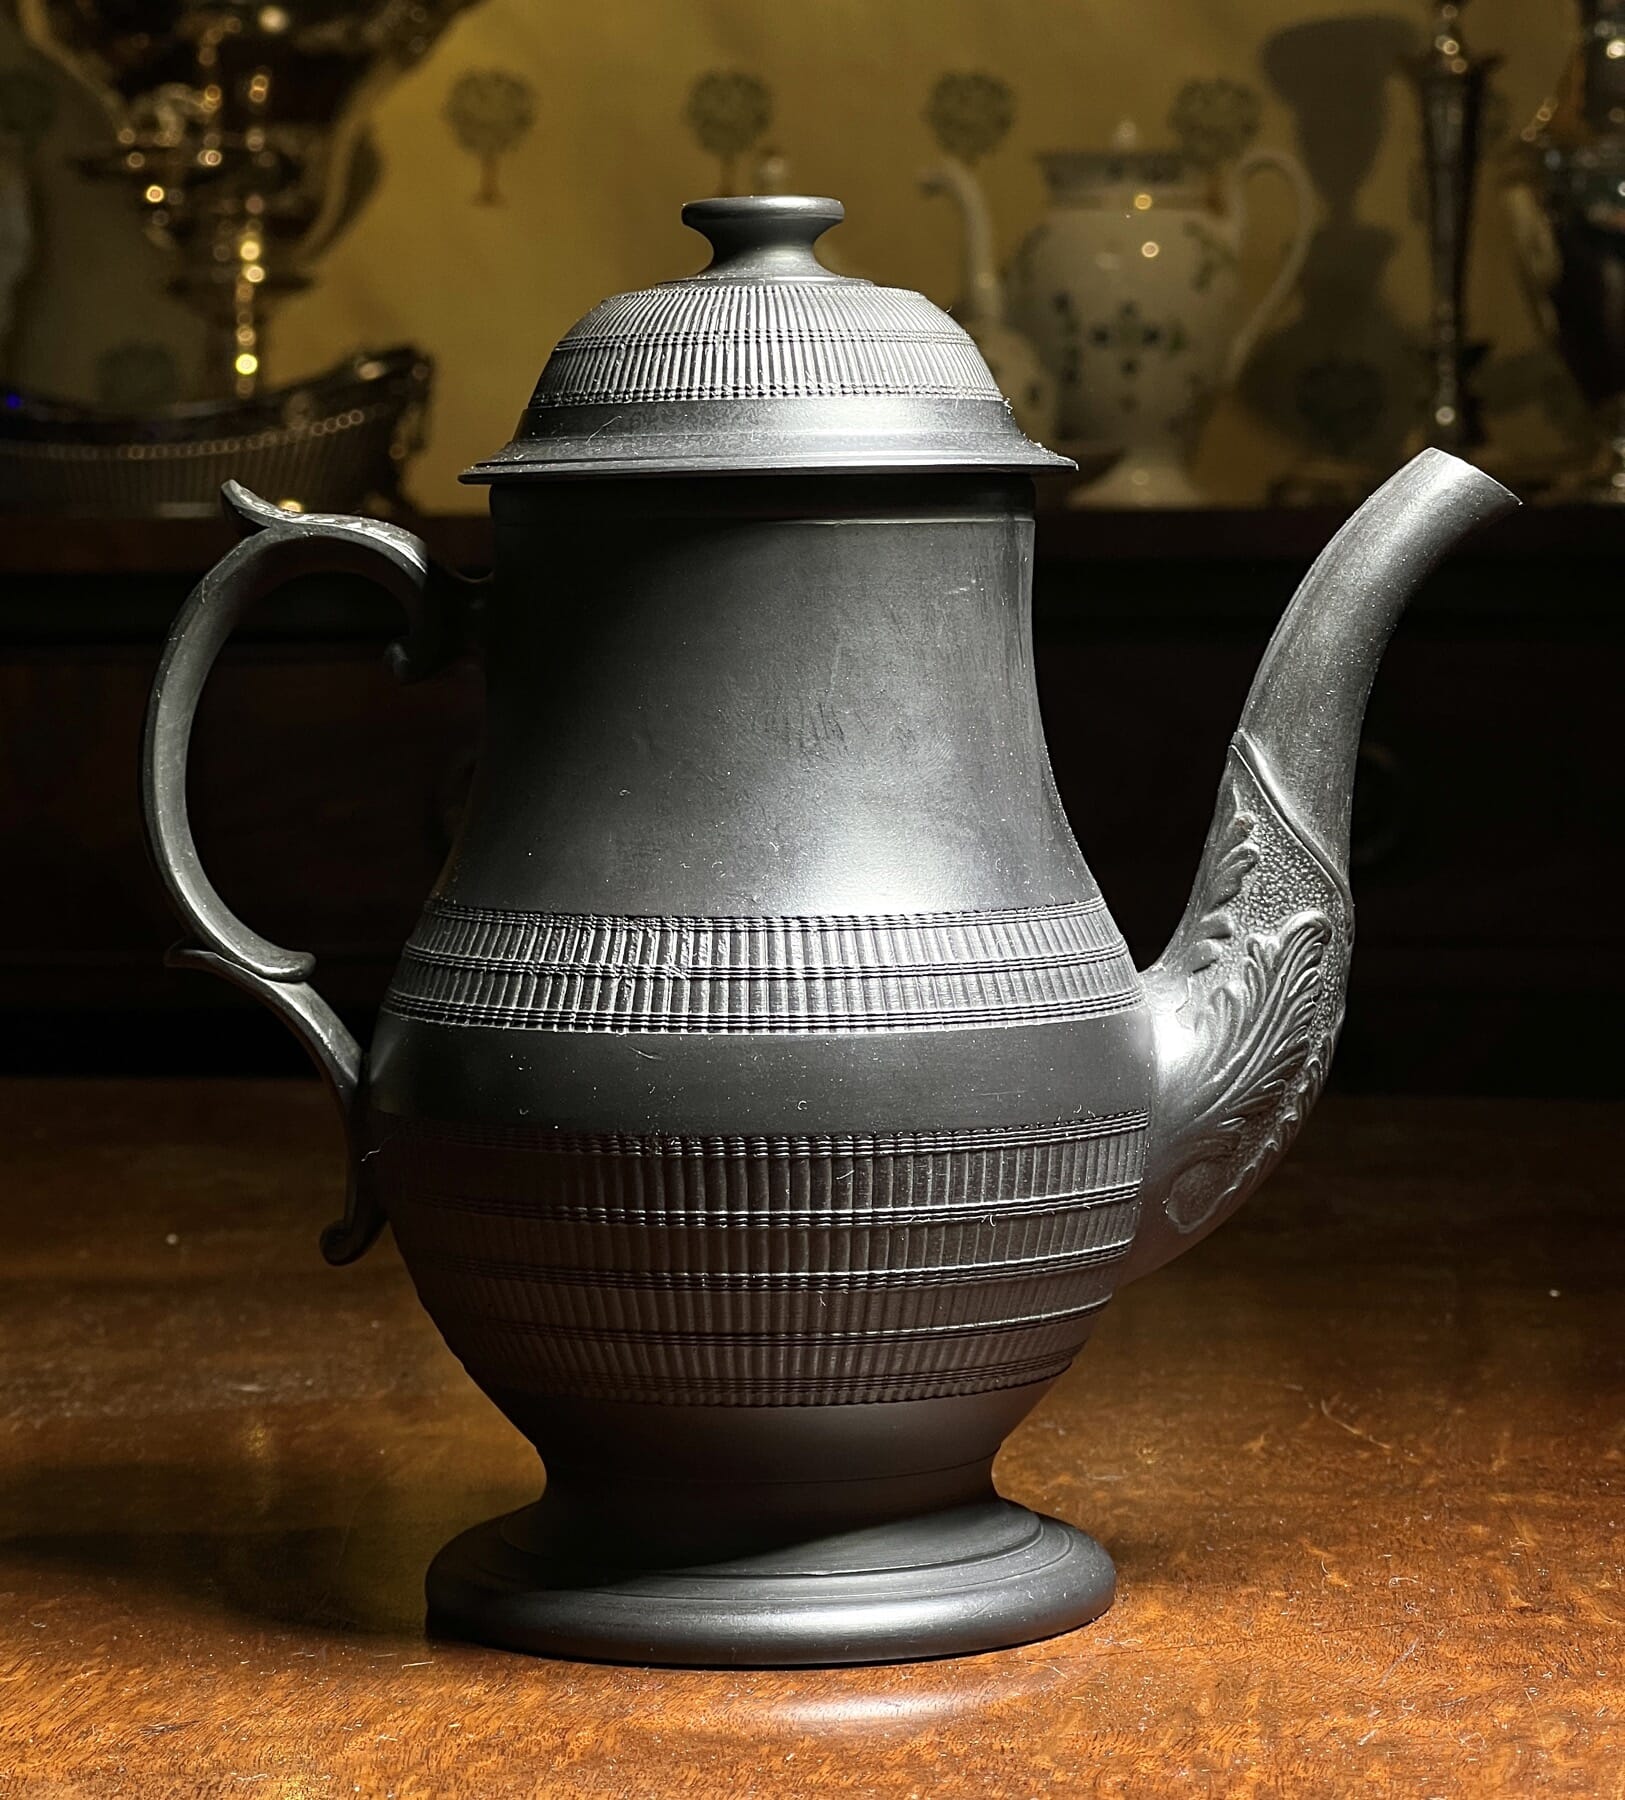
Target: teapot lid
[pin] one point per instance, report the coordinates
(764, 361)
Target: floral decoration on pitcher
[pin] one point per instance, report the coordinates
(489, 111)
(1215, 255)
(1130, 336)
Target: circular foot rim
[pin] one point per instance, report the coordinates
(992, 1576)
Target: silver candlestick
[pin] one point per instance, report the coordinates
(1450, 89)
(1566, 197)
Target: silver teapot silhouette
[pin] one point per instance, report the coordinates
(766, 1104)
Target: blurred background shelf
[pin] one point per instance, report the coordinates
(121, 580)
(326, 797)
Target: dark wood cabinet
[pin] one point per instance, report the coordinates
(1487, 831)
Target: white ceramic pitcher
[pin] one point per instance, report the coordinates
(1130, 288)
(981, 308)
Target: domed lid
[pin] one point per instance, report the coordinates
(764, 361)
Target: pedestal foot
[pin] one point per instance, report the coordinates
(975, 1577)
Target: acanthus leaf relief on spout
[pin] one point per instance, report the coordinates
(1247, 1003)
(1247, 1000)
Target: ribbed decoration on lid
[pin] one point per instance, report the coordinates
(764, 361)
(694, 340)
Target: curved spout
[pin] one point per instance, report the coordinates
(1248, 997)
(981, 293)
(1307, 700)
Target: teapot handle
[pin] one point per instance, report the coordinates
(1297, 253)
(282, 545)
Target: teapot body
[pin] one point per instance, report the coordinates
(765, 1104)
(765, 1090)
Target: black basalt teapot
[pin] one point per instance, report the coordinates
(766, 1105)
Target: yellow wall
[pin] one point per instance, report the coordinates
(592, 192)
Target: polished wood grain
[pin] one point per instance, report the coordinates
(1360, 1459)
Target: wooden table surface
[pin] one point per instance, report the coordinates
(1360, 1460)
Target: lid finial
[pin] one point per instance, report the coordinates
(764, 237)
